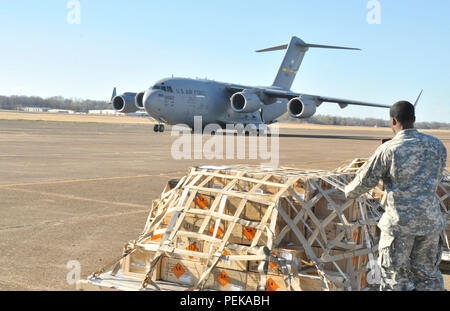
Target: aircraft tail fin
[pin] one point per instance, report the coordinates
(114, 93)
(293, 58)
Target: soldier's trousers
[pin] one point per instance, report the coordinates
(410, 262)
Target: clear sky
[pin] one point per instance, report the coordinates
(131, 44)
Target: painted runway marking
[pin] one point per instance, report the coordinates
(89, 179)
(72, 197)
(76, 154)
(72, 220)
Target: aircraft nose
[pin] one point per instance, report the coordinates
(150, 100)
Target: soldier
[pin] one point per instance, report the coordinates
(411, 166)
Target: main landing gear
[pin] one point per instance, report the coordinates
(159, 128)
(258, 132)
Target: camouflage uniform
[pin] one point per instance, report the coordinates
(411, 166)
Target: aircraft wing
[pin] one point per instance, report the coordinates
(279, 93)
(234, 88)
(320, 99)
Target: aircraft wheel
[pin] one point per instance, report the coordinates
(263, 132)
(252, 133)
(156, 128)
(161, 128)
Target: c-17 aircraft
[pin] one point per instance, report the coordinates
(178, 100)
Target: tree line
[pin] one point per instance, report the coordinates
(347, 121)
(56, 102)
(78, 105)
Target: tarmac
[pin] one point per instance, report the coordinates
(80, 191)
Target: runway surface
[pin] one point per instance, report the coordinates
(80, 191)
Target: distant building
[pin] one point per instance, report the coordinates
(138, 114)
(35, 109)
(64, 111)
(109, 112)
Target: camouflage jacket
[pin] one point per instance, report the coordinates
(411, 167)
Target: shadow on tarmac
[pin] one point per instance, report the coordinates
(330, 137)
(369, 138)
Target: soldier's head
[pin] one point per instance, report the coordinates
(402, 116)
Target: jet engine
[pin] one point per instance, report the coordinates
(245, 102)
(125, 103)
(301, 107)
(138, 100)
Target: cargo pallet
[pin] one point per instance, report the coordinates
(251, 228)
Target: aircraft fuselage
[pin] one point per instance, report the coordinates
(179, 100)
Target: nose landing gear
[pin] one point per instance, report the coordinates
(159, 128)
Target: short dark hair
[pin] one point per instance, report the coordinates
(403, 112)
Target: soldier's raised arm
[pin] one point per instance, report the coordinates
(369, 175)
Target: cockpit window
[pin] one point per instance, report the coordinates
(162, 87)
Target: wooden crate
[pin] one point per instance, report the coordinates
(324, 208)
(226, 280)
(190, 244)
(138, 263)
(277, 283)
(330, 266)
(180, 271)
(254, 212)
